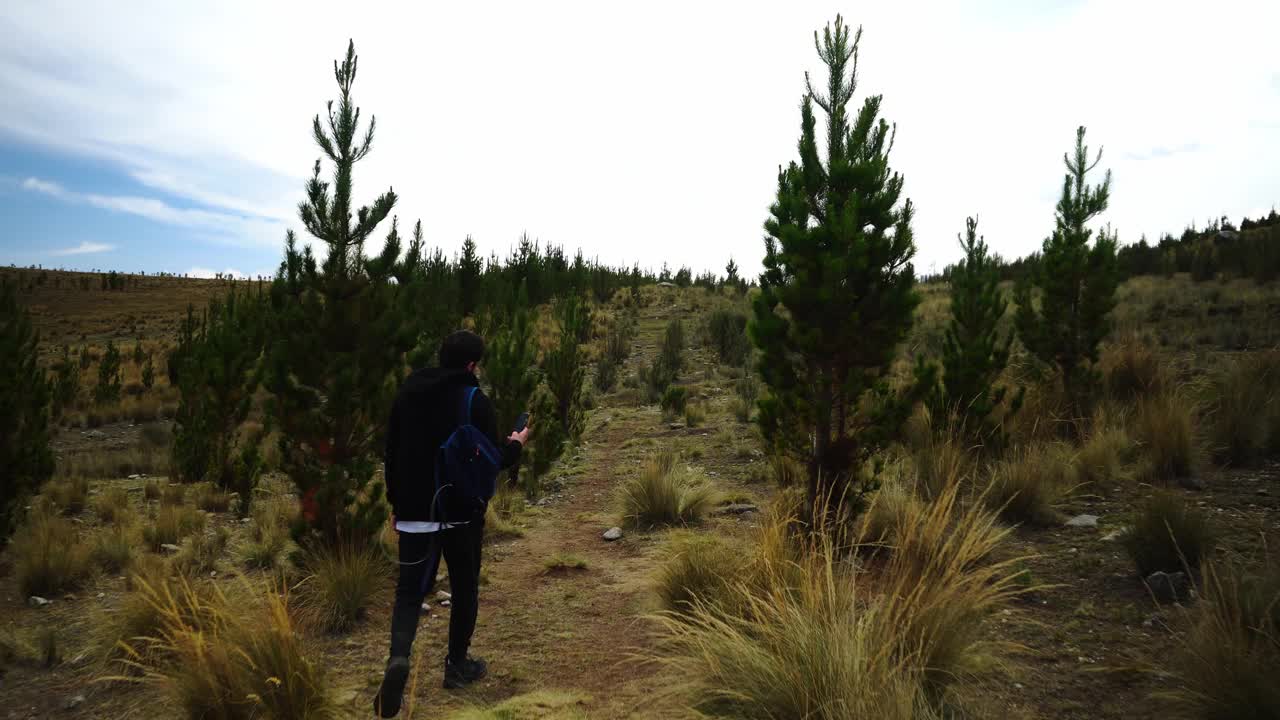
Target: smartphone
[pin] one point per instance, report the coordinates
(522, 422)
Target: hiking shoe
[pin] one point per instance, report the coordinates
(386, 703)
(462, 674)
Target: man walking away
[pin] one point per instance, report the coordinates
(431, 404)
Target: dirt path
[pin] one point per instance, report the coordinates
(576, 631)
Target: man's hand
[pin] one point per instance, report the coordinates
(521, 437)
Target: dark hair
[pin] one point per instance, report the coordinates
(460, 348)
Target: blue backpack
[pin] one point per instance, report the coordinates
(467, 467)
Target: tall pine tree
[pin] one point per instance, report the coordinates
(26, 459)
(1076, 282)
(339, 337)
(837, 291)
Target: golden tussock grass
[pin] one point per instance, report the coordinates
(1227, 661)
(48, 555)
(663, 494)
(822, 639)
(220, 658)
(1028, 484)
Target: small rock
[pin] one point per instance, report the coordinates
(1114, 534)
(37, 601)
(134, 476)
(735, 509)
(1191, 483)
(1083, 521)
(73, 702)
(676, 426)
(170, 547)
(101, 595)
(446, 603)
(1168, 587)
(426, 607)
(441, 596)
(1263, 492)
(613, 533)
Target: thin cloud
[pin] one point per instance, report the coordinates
(223, 225)
(84, 248)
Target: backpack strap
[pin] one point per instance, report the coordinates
(466, 405)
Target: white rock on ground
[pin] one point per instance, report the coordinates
(613, 533)
(1083, 521)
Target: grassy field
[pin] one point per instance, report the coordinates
(571, 624)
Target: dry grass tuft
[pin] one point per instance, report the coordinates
(225, 659)
(47, 555)
(1165, 427)
(343, 582)
(1227, 666)
(1132, 369)
(69, 495)
(114, 546)
(821, 641)
(172, 524)
(1168, 535)
(663, 494)
(1243, 408)
(1027, 486)
(111, 504)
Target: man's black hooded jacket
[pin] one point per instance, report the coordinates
(427, 409)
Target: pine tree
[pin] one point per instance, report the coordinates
(107, 390)
(26, 459)
(148, 373)
(837, 291)
(469, 271)
(1076, 282)
(510, 367)
(731, 276)
(66, 382)
(217, 382)
(973, 353)
(338, 338)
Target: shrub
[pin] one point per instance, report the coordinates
(47, 555)
(172, 524)
(1166, 534)
(727, 335)
(151, 490)
(661, 494)
(344, 580)
(889, 510)
(674, 399)
(1164, 426)
(113, 547)
(69, 495)
(1029, 484)
(1227, 662)
(111, 504)
(695, 414)
(1243, 410)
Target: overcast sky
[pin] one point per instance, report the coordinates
(176, 136)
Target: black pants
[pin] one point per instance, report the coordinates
(419, 561)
